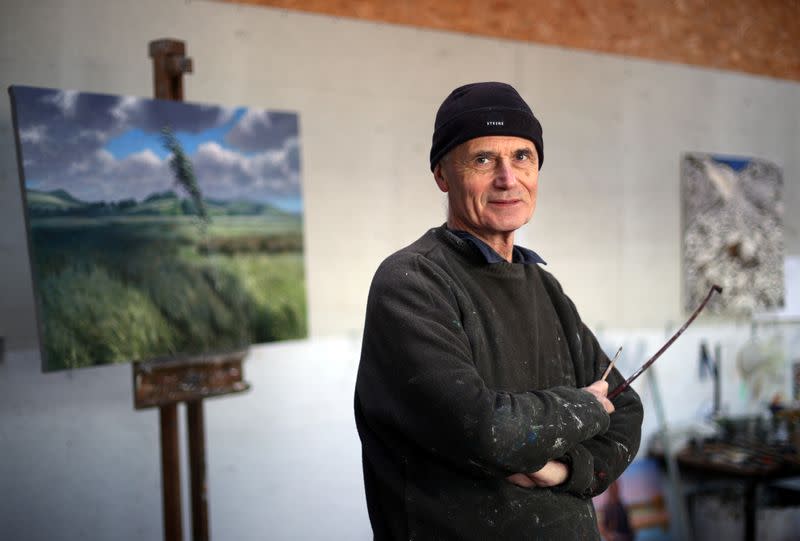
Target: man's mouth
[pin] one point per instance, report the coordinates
(504, 202)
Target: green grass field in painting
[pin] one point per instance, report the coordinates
(123, 288)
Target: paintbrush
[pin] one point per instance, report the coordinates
(611, 365)
(613, 394)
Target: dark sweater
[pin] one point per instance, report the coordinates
(471, 372)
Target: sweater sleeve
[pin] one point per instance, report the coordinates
(418, 385)
(596, 462)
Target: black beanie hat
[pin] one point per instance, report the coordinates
(480, 109)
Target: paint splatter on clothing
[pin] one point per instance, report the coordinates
(447, 411)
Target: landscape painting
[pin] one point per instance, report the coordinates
(732, 233)
(159, 229)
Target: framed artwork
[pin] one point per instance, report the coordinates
(159, 229)
(732, 233)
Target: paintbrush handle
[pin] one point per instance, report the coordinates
(608, 370)
(611, 364)
(613, 394)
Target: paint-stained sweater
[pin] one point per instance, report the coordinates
(470, 372)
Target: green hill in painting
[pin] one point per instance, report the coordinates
(166, 203)
(162, 203)
(56, 200)
(244, 208)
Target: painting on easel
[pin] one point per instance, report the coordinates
(732, 233)
(159, 229)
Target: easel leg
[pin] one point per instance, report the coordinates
(197, 466)
(170, 473)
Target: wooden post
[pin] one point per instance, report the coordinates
(169, 59)
(197, 469)
(171, 473)
(165, 384)
(169, 65)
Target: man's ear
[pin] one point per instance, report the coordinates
(438, 175)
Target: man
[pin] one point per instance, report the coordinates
(476, 401)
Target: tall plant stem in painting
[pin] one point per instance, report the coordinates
(184, 174)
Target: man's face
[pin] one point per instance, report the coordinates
(491, 185)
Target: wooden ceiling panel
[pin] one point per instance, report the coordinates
(754, 36)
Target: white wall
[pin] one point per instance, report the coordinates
(284, 461)
(78, 460)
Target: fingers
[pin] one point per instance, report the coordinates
(553, 473)
(521, 480)
(599, 386)
(599, 389)
(607, 405)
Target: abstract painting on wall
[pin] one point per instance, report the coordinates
(732, 233)
(159, 229)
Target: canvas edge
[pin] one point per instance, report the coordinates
(37, 309)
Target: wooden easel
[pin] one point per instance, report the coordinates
(165, 384)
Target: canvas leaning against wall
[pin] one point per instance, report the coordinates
(732, 233)
(159, 229)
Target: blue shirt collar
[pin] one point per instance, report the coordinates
(519, 255)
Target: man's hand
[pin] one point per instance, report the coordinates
(600, 390)
(553, 473)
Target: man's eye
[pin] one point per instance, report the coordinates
(482, 160)
(523, 156)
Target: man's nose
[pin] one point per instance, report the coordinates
(504, 174)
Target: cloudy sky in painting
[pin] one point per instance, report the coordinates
(101, 147)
